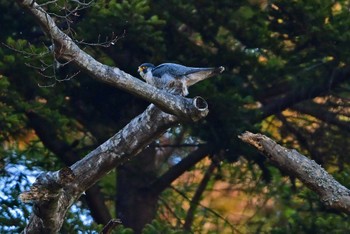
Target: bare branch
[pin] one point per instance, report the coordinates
(107, 43)
(171, 211)
(65, 48)
(49, 136)
(332, 193)
(44, 69)
(124, 145)
(49, 213)
(47, 3)
(47, 185)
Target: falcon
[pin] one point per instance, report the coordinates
(175, 78)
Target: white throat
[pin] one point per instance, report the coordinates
(148, 77)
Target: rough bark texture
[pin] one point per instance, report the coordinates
(332, 194)
(47, 134)
(65, 48)
(54, 192)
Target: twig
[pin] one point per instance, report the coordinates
(167, 206)
(106, 43)
(208, 209)
(196, 198)
(110, 226)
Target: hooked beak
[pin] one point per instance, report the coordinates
(139, 69)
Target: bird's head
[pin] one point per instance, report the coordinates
(144, 68)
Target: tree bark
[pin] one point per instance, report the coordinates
(65, 48)
(49, 136)
(54, 192)
(332, 194)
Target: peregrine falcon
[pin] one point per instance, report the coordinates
(175, 78)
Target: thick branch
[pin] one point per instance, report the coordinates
(48, 195)
(332, 193)
(49, 212)
(122, 146)
(49, 136)
(128, 142)
(66, 48)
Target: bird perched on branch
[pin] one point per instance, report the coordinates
(176, 78)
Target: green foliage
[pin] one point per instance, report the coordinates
(157, 227)
(125, 19)
(120, 229)
(270, 49)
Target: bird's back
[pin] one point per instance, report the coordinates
(175, 70)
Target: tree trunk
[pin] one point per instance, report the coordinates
(54, 192)
(135, 205)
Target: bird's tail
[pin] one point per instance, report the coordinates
(199, 74)
(218, 70)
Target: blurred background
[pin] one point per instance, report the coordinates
(287, 76)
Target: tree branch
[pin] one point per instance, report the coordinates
(293, 97)
(110, 226)
(216, 214)
(54, 192)
(175, 171)
(332, 193)
(48, 135)
(302, 140)
(48, 194)
(317, 111)
(197, 196)
(127, 143)
(65, 48)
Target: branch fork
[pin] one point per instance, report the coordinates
(54, 192)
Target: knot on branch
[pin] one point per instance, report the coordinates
(252, 139)
(48, 185)
(65, 176)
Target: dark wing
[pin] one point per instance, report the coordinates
(176, 70)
